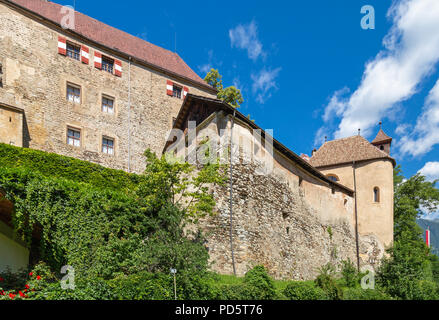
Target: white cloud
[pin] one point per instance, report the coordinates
(205, 68)
(411, 50)
(426, 132)
(246, 37)
(263, 83)
(430, 171)
(337, 105)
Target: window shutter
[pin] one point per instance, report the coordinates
(62, 45)
(169, 88)
(185, 92)
(118, 68)
(98, 60)
(85, 54)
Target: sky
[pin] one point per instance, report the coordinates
(309, 69)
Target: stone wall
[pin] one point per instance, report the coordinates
(285, 219)
(35, 78)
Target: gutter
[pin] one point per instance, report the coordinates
(357, 245)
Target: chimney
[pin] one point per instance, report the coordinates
(312, 152)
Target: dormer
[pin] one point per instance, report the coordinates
(382, 141)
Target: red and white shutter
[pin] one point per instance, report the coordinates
(118, 68)
(185, 92)
(427, 237)
(62, 45)
(85, 54)
(169, 88)
(98, 60)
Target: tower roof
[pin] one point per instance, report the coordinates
(381, 138)
(347, 150)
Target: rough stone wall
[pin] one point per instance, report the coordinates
(35, 80)
(292, 228)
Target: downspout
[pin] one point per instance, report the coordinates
(356, 218)
(129, 116)
(231, 193)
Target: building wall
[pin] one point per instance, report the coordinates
(11, 126)
(290, 228)
(35, 80)
(14, 255)
(373, 217)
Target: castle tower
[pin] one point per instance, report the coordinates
(382, 141)
(367, 168)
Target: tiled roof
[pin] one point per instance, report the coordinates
(347, 150)
(381, 137)
(115, 39)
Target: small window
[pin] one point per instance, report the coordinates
(108, 145)
(333, 177)
(73, 51)
(382, 148)
(74, 137)
(107, 64)
(108, 105)
(376, 194)
(73, 93)
(176, 92)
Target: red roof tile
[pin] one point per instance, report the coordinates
(347, 150)
(114, 38)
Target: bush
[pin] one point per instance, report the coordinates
(304, 291)
(259, 284)
(326, 281)
(350, 274)
(364, 294)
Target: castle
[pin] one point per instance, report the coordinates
(99, 94)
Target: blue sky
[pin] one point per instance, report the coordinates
(306, 68)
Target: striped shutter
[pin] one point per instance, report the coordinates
(169, 88)
(85, 54)
(62, 45)
(118, 68)
(98, 60)
(185, 92)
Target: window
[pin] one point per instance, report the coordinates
(74, 137)
(333, 177)
(382, 148)
(376, 194)
(176, 92)
(73, 51)
(73, 93)
(108, 105)
(107, 64)
(107, 145)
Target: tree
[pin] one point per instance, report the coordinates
(230, 95)
(410, 270)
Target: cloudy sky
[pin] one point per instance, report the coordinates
(307, 69)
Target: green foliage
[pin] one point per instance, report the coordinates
(118, 234)
(56, 166)
(409, 269)
(304, 291)
(230, 95)
(364, 294)
(327, 282)
(350, 274)
(256, 285)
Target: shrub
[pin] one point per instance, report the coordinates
(326, 281)
(260, 285)
(350, 274)
(304, 291)
(364, 294)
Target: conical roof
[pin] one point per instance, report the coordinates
(381, 138)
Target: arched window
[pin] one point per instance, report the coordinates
(376, 194)
(382, 148)
(333, 177)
